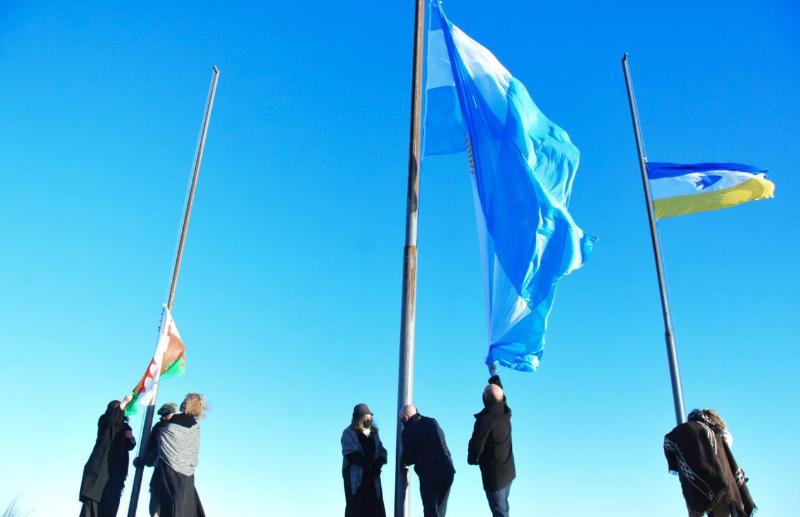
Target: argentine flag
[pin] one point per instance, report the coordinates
(523, 167)
(679, 189)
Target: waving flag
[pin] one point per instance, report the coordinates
(679, 189)
(169, 360)
(523, 167)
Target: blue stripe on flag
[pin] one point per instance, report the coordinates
(657, 170)
(445, 133)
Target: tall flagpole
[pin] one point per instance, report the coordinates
(672, 354)
(405, 384)
(148, 418)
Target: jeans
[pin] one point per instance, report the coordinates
(498, 501)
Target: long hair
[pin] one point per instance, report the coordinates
(713, 418)
(358, 422)
(194, 404)
(710, 417)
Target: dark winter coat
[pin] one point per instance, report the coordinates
(151, 454)
(363, 458)
(424, 447)
(707, 469)
(107, 467)
(490, 445)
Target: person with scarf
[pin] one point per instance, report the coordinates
(699, 452)
(424, 447)
(150, 456)
(178, 455)
(490, 447)
(363, 456)
(107, 467)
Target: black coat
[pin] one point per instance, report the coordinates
(424, 447)
(151, 454)
(176, 493)
(490, 445)
(105, 470)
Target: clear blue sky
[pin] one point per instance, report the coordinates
(289, 300)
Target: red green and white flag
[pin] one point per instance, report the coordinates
(168, 361)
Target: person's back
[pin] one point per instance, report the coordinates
(178, 456)
(490, 447)
(179, 444)
(107, 467)
(495, 455)
(699, 452)
(424, 447)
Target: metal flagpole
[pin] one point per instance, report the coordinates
(672, 354)
(405, 384)
(148, 418)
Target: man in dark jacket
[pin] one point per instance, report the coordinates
(424, 447)
(150, 455)
(490, 447)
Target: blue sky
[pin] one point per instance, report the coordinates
(289, 299)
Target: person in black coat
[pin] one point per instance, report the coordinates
(363, 456)
(107, 467)
(424, 447)
(490, 447)
(150, 455)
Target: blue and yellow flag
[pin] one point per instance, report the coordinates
(680, 189)
(523, 167)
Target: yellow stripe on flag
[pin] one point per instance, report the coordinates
(751, 190)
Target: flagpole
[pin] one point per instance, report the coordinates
(148, 418)
(405, 384)
(672, 354)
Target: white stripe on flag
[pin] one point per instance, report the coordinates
(688, 184)
(489, 75)
(439, 71)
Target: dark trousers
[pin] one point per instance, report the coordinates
(434, 492)
(498, 501)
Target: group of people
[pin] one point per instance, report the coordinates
(698, 451)
(424, 446)
(172, 450)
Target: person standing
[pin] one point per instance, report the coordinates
(150, 456)
(699, 452)
(363, 456)
(107, 467)
(424, 447)
(178, 455)
(490, 447)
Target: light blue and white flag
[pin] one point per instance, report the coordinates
(522, 168)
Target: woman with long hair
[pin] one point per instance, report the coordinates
(699, 452)
(363, 457)
(107, 467)
(178, 455)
